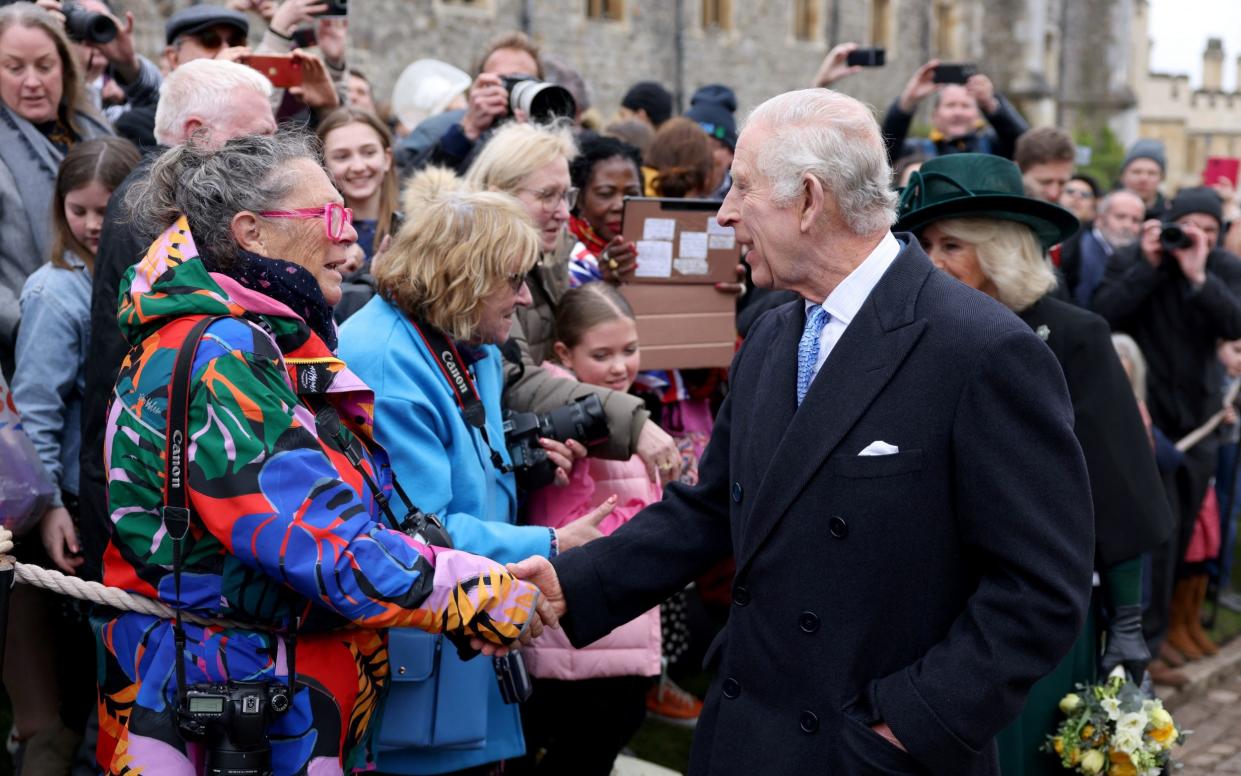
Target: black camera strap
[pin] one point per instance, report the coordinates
(461, 382)
(176, 511)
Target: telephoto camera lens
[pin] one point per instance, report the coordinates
(86, 26)
(1173, 237)
(541, 101)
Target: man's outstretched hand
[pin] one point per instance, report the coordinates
(539, 571)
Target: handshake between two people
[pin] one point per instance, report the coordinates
(539, 572)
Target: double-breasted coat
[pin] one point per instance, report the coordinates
(928, 588)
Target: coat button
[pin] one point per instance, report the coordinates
(731, 688)
(737, 492)
(838, 527)
(741, 595)
(808, 622)
(809, 722)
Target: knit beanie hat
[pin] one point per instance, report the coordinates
(650, 97)
(1198, 199)
(1146, 148)
(713, 108)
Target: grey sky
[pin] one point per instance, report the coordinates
(1180, 28)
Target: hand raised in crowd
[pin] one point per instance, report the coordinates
(585, 528)
(292, 14)
(983, 91)
(332, 34)
(920, 86)
(659, 452)
(1152, 251)
(264, 8)
(52, 7)
(488, 102)
(563, 455)
(233, 53)
(317, 89)
(618, 259)
(1192, 260)
(835, 65)
(60, 540)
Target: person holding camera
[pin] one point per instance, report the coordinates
(957, 117)
(1176, 292)
(448, 288)
(507, 55)
(246, 488)
(44, 111)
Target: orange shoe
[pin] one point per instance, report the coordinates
(669, 703)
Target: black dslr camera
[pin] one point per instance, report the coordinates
(231, 719)
(1172, 237)
(582, 419)
(543, 102)
(85, 26)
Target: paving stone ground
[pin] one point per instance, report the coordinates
(1214, 749)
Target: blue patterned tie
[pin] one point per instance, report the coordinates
(808, 348)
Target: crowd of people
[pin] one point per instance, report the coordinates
(269, 345)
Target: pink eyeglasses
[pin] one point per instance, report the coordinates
(335, 217)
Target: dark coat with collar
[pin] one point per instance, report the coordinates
(928, 589)
(1131, 511)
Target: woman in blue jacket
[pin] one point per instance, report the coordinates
(427, 346)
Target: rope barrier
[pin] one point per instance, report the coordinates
(48, 579)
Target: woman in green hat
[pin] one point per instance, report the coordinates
(971, 215)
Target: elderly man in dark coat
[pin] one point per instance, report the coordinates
(894, 469)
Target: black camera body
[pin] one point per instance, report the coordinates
(867, 57)
(543, 102)
(83, 26)
(335, 8)
(231, 719)
(582, 419)
(513, 678)
(1172, 237)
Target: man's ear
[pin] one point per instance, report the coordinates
(247, 230)
(812, 203)
(169, 59)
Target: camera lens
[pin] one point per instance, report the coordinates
(541, 101)
(87, 26)
(1173, 237)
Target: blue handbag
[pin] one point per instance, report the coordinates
(436, 699)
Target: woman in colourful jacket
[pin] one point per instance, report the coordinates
(448, 287)
(286, 486)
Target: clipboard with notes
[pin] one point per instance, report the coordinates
(683, 321)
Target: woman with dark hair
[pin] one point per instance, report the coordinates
(680, 160)
(44, 111)
(973, 219)
(605, 171)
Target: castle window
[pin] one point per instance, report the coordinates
(881, 23)
(806, 23)
(717, 14)
(605, 10)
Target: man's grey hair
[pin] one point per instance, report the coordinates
(1106, 203)
(209, 187)
(203, 88)
(834, 138)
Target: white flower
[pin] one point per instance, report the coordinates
(1127, 740)
(1093, 761)
(1117, 673)
(1112, 707)
(1070, 702)
(1149, 706)
(1134, 721)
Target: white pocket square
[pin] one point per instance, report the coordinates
(879, 447)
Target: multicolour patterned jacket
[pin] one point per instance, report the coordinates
(284, 527)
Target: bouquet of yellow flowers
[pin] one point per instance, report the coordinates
(1112, 728)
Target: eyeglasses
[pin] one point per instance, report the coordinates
(1079, 193)
(211, 39)
(550, 200)
(335, 217)
(517, 280)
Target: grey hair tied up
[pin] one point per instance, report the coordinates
(210, 186)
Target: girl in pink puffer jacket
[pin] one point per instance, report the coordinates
(587, 703)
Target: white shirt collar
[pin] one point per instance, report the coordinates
(847, 298)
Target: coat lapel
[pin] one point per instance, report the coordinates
(861, 364)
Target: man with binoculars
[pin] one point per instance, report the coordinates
(1177, 293)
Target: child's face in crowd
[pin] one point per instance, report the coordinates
(358, 161)
(607, 354)
(1230, 357)
(84, 212)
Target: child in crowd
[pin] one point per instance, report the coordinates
(588, 702)
(51, 688)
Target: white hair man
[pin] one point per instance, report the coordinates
(209, 101)
(894, 470)
(1084, 256)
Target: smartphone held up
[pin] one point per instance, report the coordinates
(281, 69)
